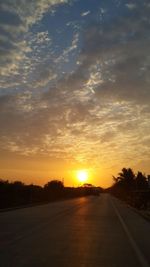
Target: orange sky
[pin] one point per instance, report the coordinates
(41, 170)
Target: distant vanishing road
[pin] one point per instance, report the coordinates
(83, 232)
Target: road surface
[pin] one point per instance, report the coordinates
(83, 232)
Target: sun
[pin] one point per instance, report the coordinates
(82, 176)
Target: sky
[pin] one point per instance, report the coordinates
(74, 89)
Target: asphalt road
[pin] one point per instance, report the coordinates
(87, 232)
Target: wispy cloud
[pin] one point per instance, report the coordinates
(85, 13)
(17, 18)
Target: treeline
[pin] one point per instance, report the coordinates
(131, 187)
(13, 194)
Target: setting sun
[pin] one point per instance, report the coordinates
(82, 176)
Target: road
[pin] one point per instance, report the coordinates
(83, 232)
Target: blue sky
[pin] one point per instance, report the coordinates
(74, 85)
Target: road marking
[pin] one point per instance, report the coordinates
(138, 252)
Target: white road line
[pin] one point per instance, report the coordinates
(138, 252)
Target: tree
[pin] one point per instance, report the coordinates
(141, 181)
(54, 185)
(126, 178)
(54, 190)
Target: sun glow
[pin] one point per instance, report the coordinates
(82, 176)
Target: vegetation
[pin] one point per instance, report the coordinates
(131, 187)
(13, 194)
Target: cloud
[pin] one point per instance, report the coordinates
(44, 77)
(98, 110)
(41, 37)
(131, 6)
(114, 60)
(16, 18)
(85, 13)
(51, 123)
(64, 57)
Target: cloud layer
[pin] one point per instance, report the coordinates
(78, 92)
(17, 19)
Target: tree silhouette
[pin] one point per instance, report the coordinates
(54, 185)
(15, 194)
(54, 189)
(126, 178)
(133, 189)
(141, 181)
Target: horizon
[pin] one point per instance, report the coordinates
(74, 89)
(77, 179)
